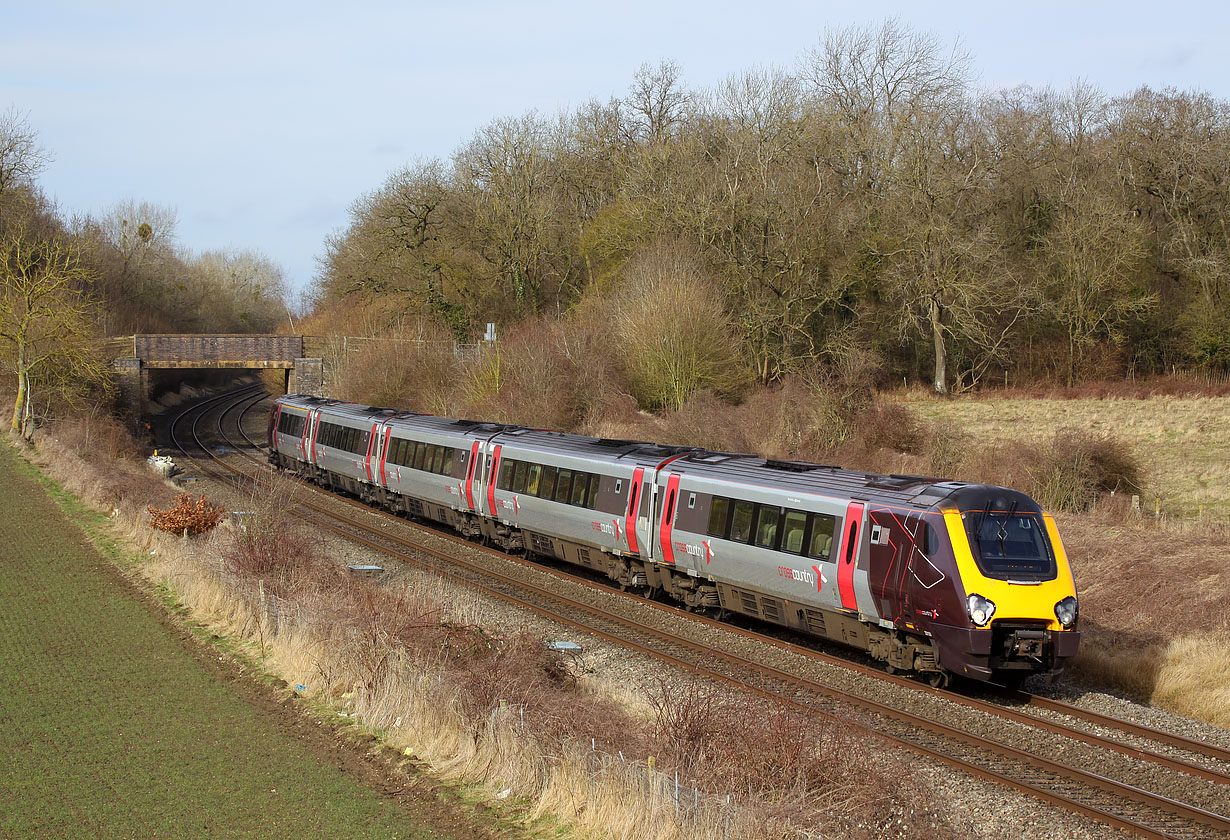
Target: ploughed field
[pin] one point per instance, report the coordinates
(113, 726)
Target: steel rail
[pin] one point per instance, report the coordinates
(1092, 780)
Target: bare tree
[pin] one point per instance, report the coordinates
(1095, 253)
(658, 101)
(22, 157)
(45, 318)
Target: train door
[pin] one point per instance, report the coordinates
(372, 458)
(272, 432)
(634, 500)
(666, 518)
(851, 531)
(492, 474)
(472, 467)
(382, 457)
(307, 445)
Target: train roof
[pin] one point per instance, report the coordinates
(801, 476)
(639, 453)
(806, 477)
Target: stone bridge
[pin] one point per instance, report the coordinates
(135, 358)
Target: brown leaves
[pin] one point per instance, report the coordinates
(186, 516)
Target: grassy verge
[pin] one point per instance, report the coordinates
(111, 729)
(414, 664)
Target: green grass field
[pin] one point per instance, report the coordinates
(109, 727)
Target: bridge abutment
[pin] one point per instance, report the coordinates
(307, 377)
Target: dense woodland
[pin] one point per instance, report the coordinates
(67, 283)
(871, 199)
(869, 209)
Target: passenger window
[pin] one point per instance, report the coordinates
(564, 487)
(580, 487)
(546, 490)
(766, 527)
(506, 471)
(792, 531)
(741, 522)
(518, 484)
(594, 481)
(444, 456)
(821, 542)
(531, 483)
(719, 511)
(420, 452)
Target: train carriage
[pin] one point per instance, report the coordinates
(929, 576)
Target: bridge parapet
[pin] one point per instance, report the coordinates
(218, 351)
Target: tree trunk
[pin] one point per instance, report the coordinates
(20, 404)
(941, 352)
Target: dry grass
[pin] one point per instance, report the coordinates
(408, 660)
(1181, 442)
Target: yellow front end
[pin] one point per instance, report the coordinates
(1028, 601)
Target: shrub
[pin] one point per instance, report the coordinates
(674, 333)
(888, 425)
(186, 516)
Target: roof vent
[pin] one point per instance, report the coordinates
(796, 466)
(898, 482)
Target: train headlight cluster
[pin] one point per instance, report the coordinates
(1066, 611)
(980, 610)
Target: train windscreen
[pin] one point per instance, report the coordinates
(1010, 545)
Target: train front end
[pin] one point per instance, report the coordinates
(1018, 613)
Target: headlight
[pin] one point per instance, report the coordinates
(1066, 611)
(980, 610)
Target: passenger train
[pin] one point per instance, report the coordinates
(937, 578)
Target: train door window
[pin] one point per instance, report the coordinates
(518, 484)
(532, 479)
(564, 487)
(506, 474)
(820, 540)
(793, 527)
(719, 516)
(546, 489)
(766, 527)
(741, 522)
(580, 488)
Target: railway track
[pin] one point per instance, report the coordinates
(1154, 784)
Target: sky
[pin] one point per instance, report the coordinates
(261, 122)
